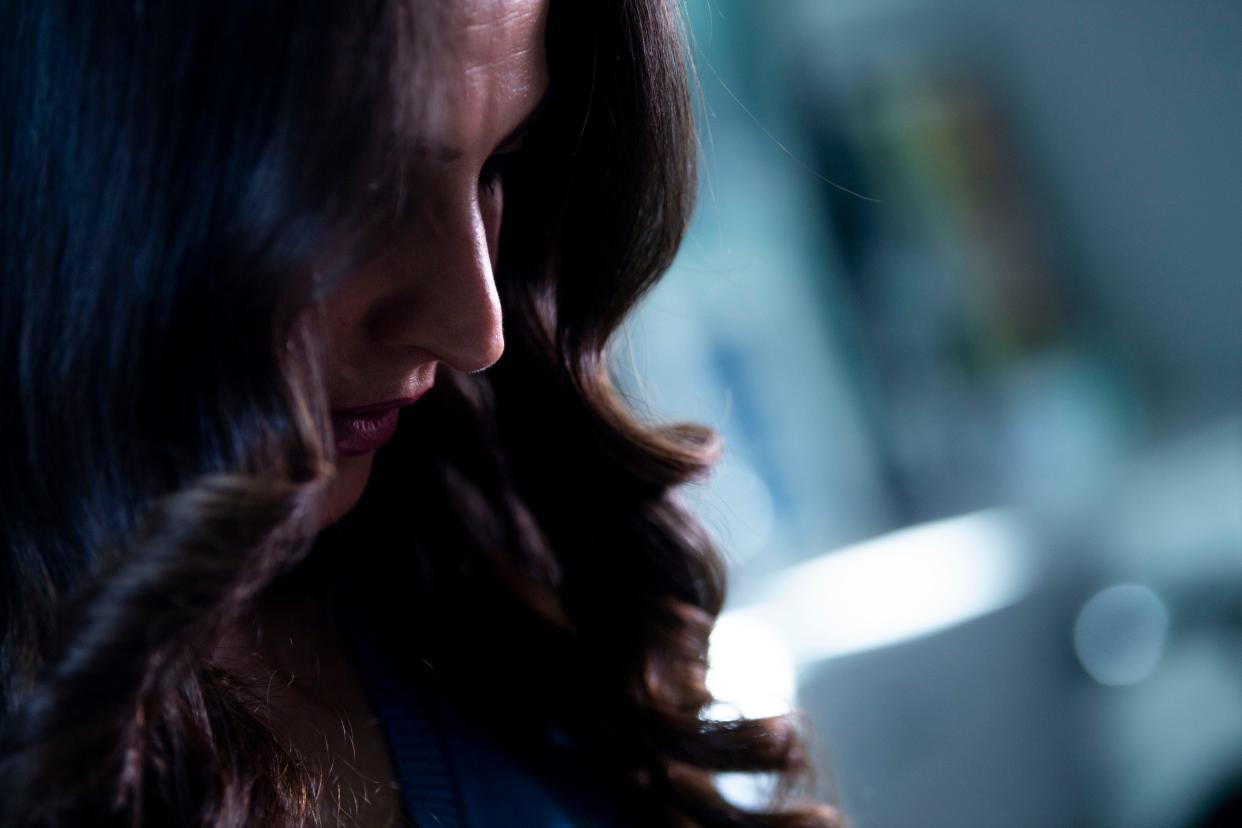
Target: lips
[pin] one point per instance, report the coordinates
(363, 429)
(357, 434)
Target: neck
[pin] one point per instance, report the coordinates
(290, 653)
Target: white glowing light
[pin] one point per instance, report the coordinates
(894, 588)
(747, 790)
(891, 589)
(752, 675)
(752, 672)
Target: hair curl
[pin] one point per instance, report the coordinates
(165, 169)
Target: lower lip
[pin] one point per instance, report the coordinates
(357, 434)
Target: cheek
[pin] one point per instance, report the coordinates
(342, 347)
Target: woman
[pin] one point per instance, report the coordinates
(286, 541)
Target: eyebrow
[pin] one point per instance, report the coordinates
(450, 154)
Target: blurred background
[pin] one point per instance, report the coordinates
(962, 297)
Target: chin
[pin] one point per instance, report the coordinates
(344, 489)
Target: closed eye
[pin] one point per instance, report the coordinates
(494, 169)
(511, 147)
(499, 162)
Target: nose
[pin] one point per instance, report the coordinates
(441, 295)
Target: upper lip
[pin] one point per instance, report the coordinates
(375, 408)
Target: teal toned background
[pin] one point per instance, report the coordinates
(962, 297)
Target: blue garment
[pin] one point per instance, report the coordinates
(452, 774)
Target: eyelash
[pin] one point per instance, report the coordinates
(494, 169)
(497, 167)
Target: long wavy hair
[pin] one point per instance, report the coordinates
(181, 184)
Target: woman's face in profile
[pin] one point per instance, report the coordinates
(431, 297)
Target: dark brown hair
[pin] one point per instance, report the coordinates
(168, 169)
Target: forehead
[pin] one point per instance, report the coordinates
(493, 67)
(490, 29)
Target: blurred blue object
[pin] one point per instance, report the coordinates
(962, 298)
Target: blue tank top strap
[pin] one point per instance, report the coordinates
(415, 731)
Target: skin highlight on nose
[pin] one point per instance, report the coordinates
(429, 296)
